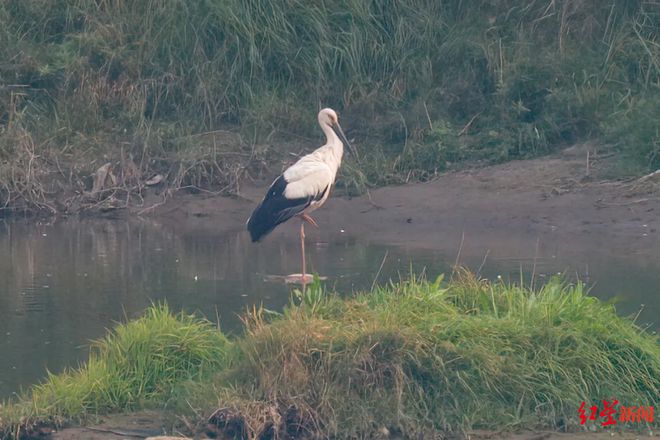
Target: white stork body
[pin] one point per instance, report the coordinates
(304, 186)
(315, 172)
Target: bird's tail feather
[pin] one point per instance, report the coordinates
(269, 214)
(275, 209)
(262, 222)
(258, 227)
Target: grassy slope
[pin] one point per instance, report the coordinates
(146, 85)
(413, 356)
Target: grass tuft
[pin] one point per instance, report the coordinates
(137, 363)
(415, 357)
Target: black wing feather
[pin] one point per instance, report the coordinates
(275, 209)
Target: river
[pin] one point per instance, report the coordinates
(62, 284)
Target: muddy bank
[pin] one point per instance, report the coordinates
(522, 208)
(146, 424)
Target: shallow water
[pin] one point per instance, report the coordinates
(63, 284)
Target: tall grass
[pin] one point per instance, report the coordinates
(421, 84)
(415, 358)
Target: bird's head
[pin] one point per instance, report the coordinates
(328, 117)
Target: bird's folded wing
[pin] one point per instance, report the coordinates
(307, 179)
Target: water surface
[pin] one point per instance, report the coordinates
(62, 284)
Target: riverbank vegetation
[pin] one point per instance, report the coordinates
(102, 101)
(412, 358)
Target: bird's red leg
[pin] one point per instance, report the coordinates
(309, 220)
(302, 248)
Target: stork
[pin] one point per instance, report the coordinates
(303, 187)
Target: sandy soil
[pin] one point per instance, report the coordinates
(505, 208)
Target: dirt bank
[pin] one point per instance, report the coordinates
(503, 210)
(146, 424)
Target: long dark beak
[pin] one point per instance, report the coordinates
(337, 129)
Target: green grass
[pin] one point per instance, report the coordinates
(414, 357)
(421, 86)
(136, 363)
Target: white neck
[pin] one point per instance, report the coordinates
(332, 141)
